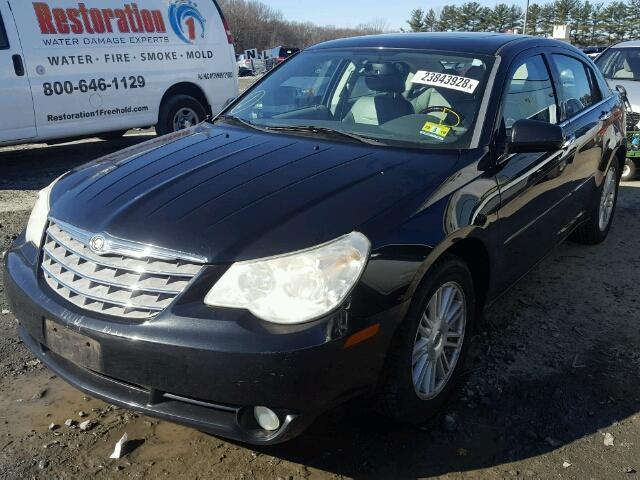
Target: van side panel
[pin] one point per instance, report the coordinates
(97, 66)
(17, 119)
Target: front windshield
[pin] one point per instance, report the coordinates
(620, 63)
(411, 98)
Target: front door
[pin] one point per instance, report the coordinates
(17, 118)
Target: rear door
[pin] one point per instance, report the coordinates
(534, 187)
(588, 117)
(17, 118)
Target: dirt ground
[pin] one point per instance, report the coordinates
(555, 368)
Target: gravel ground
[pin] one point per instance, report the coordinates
(553, 379)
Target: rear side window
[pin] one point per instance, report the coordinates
(529, 93)
(578, 88)
(4, 41)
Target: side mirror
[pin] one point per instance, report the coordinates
(622, 91)
(623, 96)
(529, 136)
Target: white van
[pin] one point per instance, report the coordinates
(100, 67)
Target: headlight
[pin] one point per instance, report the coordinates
(297, 287)
(39, 214)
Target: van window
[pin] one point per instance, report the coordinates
(4, 41)
(529, 94)
(577, 88)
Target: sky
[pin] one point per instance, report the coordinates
(350, 13)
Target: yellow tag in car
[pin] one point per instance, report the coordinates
(435, 130)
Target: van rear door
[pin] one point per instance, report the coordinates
(17, 118)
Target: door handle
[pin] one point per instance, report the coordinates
(606, 116)
(18, 65)
(568, 142)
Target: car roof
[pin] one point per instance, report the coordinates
(628, 43)
(487, 43)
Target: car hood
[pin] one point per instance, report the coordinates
(227, 193)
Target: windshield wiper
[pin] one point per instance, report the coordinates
(325, 130)
(240, 121)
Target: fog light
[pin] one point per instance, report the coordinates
(266, 418)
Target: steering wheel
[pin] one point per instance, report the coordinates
(449, 113)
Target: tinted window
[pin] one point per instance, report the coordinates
(577, 85)
(415, 98)
(529, 94)
(4, 41)
(620, 63)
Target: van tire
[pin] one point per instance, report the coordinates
(112, 135)
(173, 106)
(629, 170)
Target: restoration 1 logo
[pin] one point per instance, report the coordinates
(185, 19)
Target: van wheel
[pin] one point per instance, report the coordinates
(629, 170)
(426, 360)
(112, 135)
(179, 112)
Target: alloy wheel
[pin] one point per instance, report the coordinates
(608, 199)
(438, 344)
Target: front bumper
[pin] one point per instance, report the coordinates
(207, 373)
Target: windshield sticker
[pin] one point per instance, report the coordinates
(453, 82)
(435, 130)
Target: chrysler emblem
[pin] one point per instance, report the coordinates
(96, 244)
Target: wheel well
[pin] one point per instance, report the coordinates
(186, 88)
(622, 157)
(475, 255)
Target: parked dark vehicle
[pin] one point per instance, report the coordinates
(336, 232)
(594, 50)
(278, 55)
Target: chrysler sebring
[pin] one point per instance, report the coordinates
(337, 231)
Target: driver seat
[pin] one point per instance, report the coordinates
(386, 105)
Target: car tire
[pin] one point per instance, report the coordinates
(179, 112)
(402, 395)
(112, 135)
(596, 229)
(629, 171)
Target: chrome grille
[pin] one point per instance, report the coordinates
(131, 280)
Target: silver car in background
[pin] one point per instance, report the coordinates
(620, 65)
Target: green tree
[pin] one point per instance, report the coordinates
(533, 19)
(633, 19)
(500, 18)
(564, 10)
(449, 19)
(581, 23)
(547, 19)
(472, 16)
(514, 18)
(431, 23)
(416, 21)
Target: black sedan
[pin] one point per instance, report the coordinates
(337, 231)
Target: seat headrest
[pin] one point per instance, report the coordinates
(385, 77)
(385, 83)
(475, 72)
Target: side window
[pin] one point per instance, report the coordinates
(4, 41)
(529, 94)
(577, 85)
